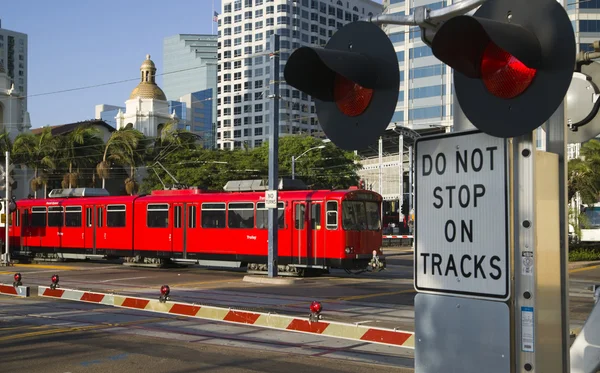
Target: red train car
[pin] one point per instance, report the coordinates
(317, 228)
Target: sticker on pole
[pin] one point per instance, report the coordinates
(271, 199)
(461, 204)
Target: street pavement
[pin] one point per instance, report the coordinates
(382, 299)
(47, 336)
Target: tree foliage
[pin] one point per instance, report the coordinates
(329, 167)
(584, 173)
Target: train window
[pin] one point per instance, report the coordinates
(99, 216)
(73, 216)
(373, 216)
(262, 215)
(157, 216)
(241, 215)
(192, 217)
(177, 217)
(300, 212)
(88, 216)
(332, 215)
(213, 215)
(315, 216)
(115, 216)
(55, 216)
(38, 217)
(354, 217)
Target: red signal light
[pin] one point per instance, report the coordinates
(165, 290)
(17, 277)
(315, 307)
(351, 98)
(55, 279)
(504, 75)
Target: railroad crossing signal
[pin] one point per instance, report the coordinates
(3, 176)
(354, 81)
(513, 62)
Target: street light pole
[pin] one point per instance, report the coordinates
(294, 159)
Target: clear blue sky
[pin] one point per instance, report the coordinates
(79, 43)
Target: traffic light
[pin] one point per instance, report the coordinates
(354, 81)
(404, 208)
(513, 62)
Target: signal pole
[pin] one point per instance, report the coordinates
(6, 207)
(273, 154)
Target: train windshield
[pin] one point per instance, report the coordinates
(361, 215)
(592, 215)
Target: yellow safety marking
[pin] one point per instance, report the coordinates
(6, 273)
(48, 266)
(23, 327)
(278, 322)
(410, 342)
(355, 297)
(345, 331)
(583, 269)
(76, 329)
(158, 306)
(212, 313)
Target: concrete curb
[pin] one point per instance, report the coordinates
(577, 265)
(357, 332)
(271, 281)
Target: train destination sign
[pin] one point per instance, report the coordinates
(461, 207)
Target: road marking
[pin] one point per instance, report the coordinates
(194, 283)
(584, 269)
(72, 329)
(123, 279)
(23, 327)
(355, 297)
(45, 266)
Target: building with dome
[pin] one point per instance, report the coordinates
(13, 117)
(147, 107)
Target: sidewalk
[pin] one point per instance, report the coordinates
(582, 264)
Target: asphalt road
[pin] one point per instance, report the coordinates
(50, 336)
(44, 335)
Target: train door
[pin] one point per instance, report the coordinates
(316, 234)
(159, 223)
(299, 249)
(89, 231)
(179, 230)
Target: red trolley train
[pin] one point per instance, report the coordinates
(318, 229)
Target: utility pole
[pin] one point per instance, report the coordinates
(7, 208)
(273, 157)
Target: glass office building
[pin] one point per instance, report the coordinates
(195, 113)
(245, 27)
(190, 68)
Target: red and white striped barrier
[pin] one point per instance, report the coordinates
(396, 236)
(16, 291)
(266, 320)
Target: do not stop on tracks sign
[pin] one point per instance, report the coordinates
(461, 201)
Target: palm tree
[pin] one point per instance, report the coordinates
(121, 148)
(80, 148)
(36, 151)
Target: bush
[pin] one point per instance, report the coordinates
(580, 254)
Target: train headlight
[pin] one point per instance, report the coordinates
(349, 250)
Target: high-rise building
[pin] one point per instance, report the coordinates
(425, 99)
(190, 66)
(245, 27)
(13, 63)
(195, 113)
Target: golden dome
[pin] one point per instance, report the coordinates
(147, 87)
(148, 90)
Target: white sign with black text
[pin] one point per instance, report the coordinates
(271, 199)
(461, 212)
